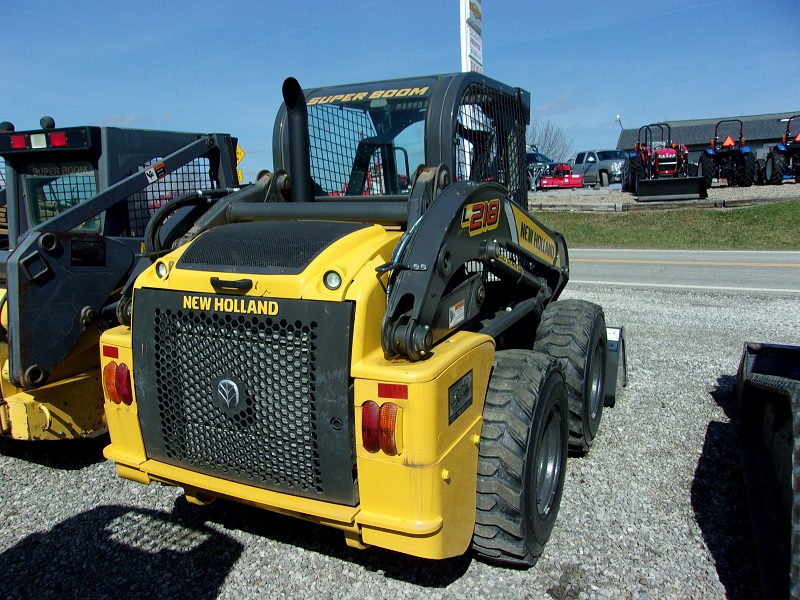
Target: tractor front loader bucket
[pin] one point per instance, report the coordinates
(677, 188)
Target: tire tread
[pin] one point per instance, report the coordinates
(518, 377)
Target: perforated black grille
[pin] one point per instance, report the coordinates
(267, 247)
(247, 389)
(265, 429)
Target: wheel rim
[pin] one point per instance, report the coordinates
(596, 386)
(549, 463)
(768, 169)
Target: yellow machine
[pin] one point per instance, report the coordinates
(363, 346)
(77, 202)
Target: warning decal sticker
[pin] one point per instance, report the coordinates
(156, 172)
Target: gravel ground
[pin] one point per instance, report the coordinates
(614, 196)
(655, 510)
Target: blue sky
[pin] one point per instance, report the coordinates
(218, 66)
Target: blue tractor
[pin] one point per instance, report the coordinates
(731, 159)
(784, 158)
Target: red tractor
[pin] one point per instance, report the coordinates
(660, 169)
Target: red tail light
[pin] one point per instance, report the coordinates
(18, 142)
(370, 426)
(123, 382)
(117, 383)
(380, 427)
(58, 139)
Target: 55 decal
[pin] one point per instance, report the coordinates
(478, 217)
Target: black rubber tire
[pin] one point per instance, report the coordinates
(775, 167)
(768, 418)
(530, 182)
(692, 168)
(626, 174)
(637, 173)
(603, 179)
(574, 333)
(760, 168)
(522, 458)
(746, 170)
(706, 168)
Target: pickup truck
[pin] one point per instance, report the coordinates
(599, 167)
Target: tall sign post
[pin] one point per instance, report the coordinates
(471, 42)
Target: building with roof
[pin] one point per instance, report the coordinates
(761, 132)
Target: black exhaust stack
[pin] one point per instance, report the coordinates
(299, 144)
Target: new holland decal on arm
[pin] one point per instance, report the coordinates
(534, 239)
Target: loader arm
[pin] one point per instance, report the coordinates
(61, 279)
(471, 240)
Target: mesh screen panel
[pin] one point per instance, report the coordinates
(190, 177)
(490, 136)
(52, 188)
(2, 172)
(272, 440)
(335, 133)
(247, 394)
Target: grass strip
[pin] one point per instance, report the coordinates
(774, 226)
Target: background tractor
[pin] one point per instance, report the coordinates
(730, 159)
(784, 158)
(396, 365)
(660, 169)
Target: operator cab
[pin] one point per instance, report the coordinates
(370, 139)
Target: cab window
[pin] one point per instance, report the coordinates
(366, 147)
(52, 188)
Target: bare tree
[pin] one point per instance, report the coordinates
(551, 140)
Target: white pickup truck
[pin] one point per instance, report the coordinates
(599, 167)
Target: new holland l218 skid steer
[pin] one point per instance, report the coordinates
(366, 345)
(78, 201)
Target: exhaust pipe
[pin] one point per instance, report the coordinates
(299, 144)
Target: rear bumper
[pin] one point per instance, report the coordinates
(442, 496)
